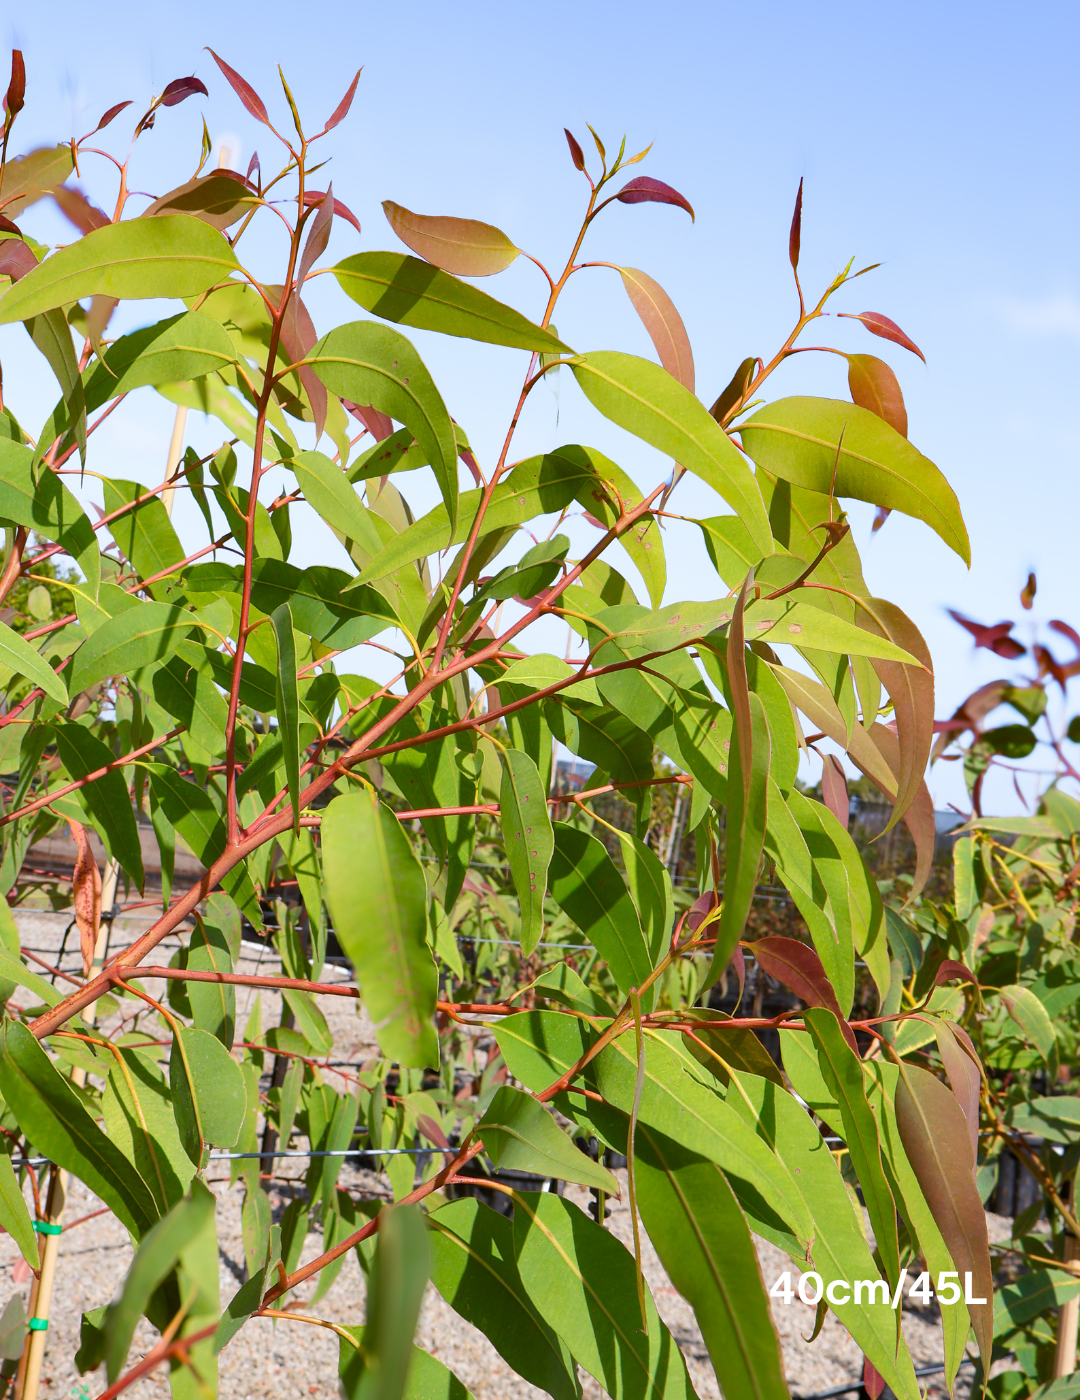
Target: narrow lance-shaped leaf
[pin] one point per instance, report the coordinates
(172, 256)
(465, 247)
(799, 967)
(377, 895)
(414, 293)
(529, 840)
(911, 689)
(702, 1238)
(520, 1134)
(243, 89)
(645, 400)
(843, 1073)
(288, 704)
(795, 236)
(14, 1216)
(154, 1261)
(748, 798)
(395, 1291)
(586, 886)
(86, 893)
(877, 324)
(472, 1266)
(644, 189)
(936, 1140)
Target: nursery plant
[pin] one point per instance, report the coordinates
(240, 703)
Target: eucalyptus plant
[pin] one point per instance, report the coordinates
(240, 703)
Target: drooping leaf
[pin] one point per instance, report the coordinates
(21, 657)
(14, 1216)
(702, 1238)
(843, 1074)
(518, 1133)
(645, 400)
(797, 439)
(936, 1141)
(877, 324)
(288, 703)
(414, 293)
(154, 1261)
(377, 895)
(58, 1125)
(588, 888)
(644, 189)
(583, 1281)
(173, 256)
(464, 247)
(209, 1098)
(107, 797)
(529, 840)
(1031, 1016)
(472, 1266)
(799, 967)
(138, 1114)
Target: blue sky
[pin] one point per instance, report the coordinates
(938, 140)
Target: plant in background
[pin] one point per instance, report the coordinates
(208, 684)
(1012, 920)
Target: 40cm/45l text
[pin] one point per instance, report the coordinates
(874, 1290)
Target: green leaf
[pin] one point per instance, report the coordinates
(14, 1216)
(645, 400)
(328, 490)
(288, 704)
(377, 895)
(132, 639)
(583, 1281)
(172, 256)
(1031, 1295)
(26, 662)
(372, 364)
(843, 1074)
(537, 486)
(51, 334)
(414, 293)
(55, 1121)
(540, 671)
(184, 688)
(107, 798)
(213, 1004)
(797, 439)
(528, 838)
(838, 1249)
(650, 888)
(540, 1045)
(589, 890)
(12, 969)
(138, 1113)
(28, 177)
(208, 1092)
(191, 810)
(314, 596)
(748, 787)
(145, 535)
(44, 503)
(380, 1365)
(1031, 1016)
(518, 1133)
(154, 1261)
(13, 1324)
(184, 347)
(427, 1378)
(699, 1232)
(472, 1266)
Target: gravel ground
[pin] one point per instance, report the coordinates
(286, 1359)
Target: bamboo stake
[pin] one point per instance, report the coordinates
(1069, 1317)
(28, 1380)
(173, 460)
